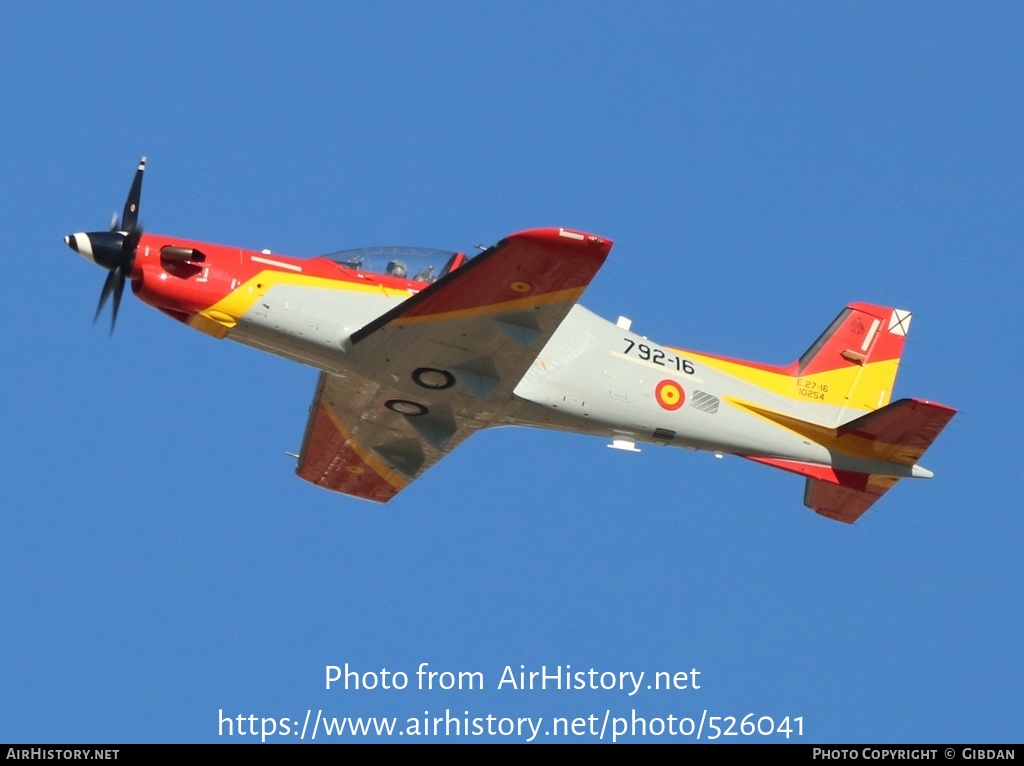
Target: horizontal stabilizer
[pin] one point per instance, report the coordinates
(897, 433)
(843, 502)
(834, 493)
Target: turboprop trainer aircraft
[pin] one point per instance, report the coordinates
(418, 349)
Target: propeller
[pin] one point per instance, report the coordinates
(115, 249)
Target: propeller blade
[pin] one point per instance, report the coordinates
(118, 289)
(114, 226)
(130, 218)
(113, 284)
(108, 286)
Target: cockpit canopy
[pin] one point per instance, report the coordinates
(420, 264)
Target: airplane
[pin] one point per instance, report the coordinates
(419, 348)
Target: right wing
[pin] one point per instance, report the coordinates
(421, 378)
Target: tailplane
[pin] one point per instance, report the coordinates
(846, 502)
(898, 433)
(891, 440)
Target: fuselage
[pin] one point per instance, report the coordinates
(592, 376)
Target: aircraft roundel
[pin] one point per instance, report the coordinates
(670, 395)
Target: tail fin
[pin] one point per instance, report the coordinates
(852, 366)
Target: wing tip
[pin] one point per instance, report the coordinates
(563, 237)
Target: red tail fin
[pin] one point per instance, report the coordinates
(854, 362)
(848, 371)
(861, 333)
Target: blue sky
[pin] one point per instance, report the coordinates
(758, 166)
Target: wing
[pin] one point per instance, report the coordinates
(423, 377)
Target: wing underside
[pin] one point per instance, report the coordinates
(443, 364)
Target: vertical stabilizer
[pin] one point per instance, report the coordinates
(853, 364)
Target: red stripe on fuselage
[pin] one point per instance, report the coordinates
(188, 288)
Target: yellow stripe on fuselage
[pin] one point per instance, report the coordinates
(226, 312)
(866, 387)
(848, 444)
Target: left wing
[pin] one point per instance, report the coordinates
(423, 377)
